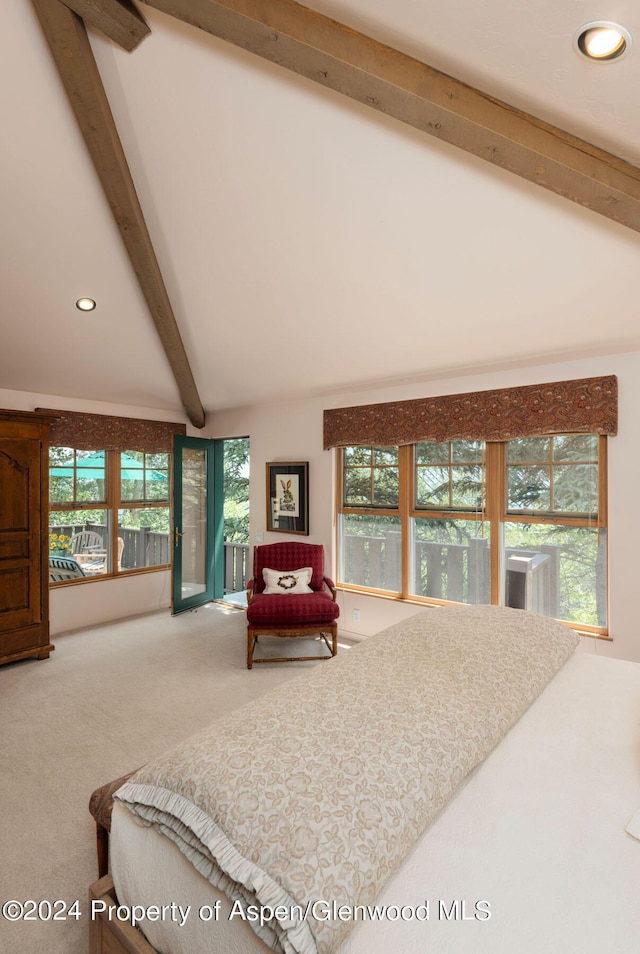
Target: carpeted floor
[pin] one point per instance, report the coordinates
(106, 701)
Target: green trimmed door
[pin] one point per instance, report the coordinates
(198, 528)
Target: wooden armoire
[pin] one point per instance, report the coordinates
(24, 535)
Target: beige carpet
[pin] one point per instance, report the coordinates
(106, 701)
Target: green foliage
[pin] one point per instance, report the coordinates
(580, 556)
(153, 518)
(371, 477)
(236, 490)
(77, 519)
(553, 474)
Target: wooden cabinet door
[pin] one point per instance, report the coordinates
(23, 622)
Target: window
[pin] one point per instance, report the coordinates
(109, 510)
(449, 527)
(554, 526)
(371, 524)
(520, 523)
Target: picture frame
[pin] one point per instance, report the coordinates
(288, 497)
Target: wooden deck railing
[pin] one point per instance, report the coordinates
(147, 547)
(236, 566)
(458, 572)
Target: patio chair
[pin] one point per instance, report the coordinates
(97, 564)
(88, 547)
(86, 543)
(289, 596)
(64, 568)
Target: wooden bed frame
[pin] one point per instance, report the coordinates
(113, 937)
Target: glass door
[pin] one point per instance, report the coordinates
(198, 527)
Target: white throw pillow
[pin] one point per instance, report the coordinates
(287, 581)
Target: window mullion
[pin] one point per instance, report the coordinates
(406, 498)
(603, 516)
(113, 499)
(495, 509)
(75, 474)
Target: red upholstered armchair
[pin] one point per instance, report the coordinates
(294, 599)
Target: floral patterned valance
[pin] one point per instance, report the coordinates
(103, 432)
(586, 405)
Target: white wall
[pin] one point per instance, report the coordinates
(90, 604)
(294, 432)
(74, 607)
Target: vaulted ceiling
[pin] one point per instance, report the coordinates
(329, 213)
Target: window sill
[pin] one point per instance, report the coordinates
(97, 577)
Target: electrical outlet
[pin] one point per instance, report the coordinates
(356, 615)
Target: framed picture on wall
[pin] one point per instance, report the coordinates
(288, 497)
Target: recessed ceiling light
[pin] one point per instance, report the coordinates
(602, 41)
(85, 304)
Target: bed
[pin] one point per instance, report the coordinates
(460, 782)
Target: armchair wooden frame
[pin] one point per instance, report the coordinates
(253, 632)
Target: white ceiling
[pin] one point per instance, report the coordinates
(308, 243)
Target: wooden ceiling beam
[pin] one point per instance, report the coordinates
(369, 72)
(69, 44)
(117, 19)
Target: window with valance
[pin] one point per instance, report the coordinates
(487, 497)
(110, 495)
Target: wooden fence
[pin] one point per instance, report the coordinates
(236, 567)
(146, 547)
(459, 572)
(142, 547)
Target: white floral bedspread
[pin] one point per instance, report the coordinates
(317, 791)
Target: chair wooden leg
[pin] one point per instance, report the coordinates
(334, 640)
(250, 644)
